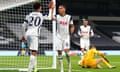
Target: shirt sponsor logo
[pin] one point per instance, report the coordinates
(63, 22)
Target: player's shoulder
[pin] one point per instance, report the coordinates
(94, 50)
(57, 15)
(35, 14)
(67, 15)
(89, 26)
(81, 26)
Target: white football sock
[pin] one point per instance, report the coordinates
(61, 63)
(68, 57)
(82, 55)
(31, 63)
(35, 62)
(69, 62)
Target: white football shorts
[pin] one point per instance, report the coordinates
(85, 43)
(62, 44)
(32, 42)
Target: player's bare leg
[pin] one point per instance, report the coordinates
(68, 59)
(33, 60)
(99, 60)
(60, 60)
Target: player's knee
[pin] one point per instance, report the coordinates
(101, 59)
(66, 50)
(34, 52)
(59, 52)
(67, 53)
(82, 49)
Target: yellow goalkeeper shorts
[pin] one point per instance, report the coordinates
(91, 63)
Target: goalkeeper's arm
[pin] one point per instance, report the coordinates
(103, 56)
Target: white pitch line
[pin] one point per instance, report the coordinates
(74, 70)
(114, 62)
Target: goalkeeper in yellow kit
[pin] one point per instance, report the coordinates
(90, 62)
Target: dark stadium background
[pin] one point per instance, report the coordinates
(106, 30)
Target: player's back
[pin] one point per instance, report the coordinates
(35, 20)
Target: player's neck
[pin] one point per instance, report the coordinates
(37, 11)
(63, 14)
(85, 25)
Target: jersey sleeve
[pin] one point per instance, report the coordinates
(91, 31)
(26, 19)
(79, 31)
(71, 20)
(99, 53)
(24, 25)
(49, 16)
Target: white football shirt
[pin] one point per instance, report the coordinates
(34, 21)
(85, 31)
(63, 23)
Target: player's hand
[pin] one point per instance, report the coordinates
(51, 5)
(81, 35)
(23, 38)
(91, 36)
(53, 17)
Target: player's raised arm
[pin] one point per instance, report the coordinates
(24, 25)
(51, 8)
(99, 53)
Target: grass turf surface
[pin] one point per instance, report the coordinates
(23, 62)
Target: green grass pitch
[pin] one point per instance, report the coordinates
(22, 61)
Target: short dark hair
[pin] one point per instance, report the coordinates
(36, 5)
(91, 46)
(62, 5)
(85, 19)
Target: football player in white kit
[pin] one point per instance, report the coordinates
(85, 32)
(33, 23)
(64, 28)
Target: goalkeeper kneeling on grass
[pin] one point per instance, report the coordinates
(90, 62)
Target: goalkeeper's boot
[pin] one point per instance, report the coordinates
(111, 67)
